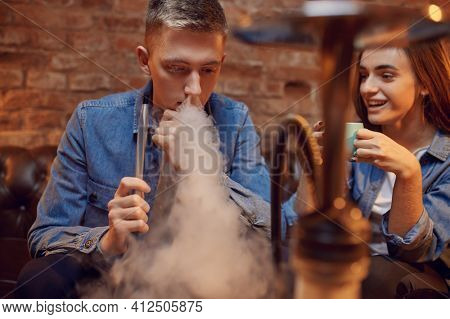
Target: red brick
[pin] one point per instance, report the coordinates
(30, 37)
(49, 17)
(13, 36)
(41, 79)
(267, 106)
(139, 7)
(267, 88)
(138, 81)
(121, 23)
(297, 88)
(38, 99)
(293, 73)
(44, 119)
(5, 15)
(77, 21)
(68, 61)
(19, 99)
(56, 3)
(128, 42)
(48, 39)
(78, 4)
(118, 63)
(127, 82)
(29, 139)
(249, 68)
(84, 61)
(295, 58)
(89, 41)
(11, 121)
(101, 5)
(89, 82)
(240, 52)
(11, 78)
(22, 60)
(236, 87)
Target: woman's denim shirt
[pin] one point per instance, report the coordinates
(429, 238)
(98, 149)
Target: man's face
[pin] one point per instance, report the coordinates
(184, 63)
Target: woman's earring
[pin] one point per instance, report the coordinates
(425, 100)
(424, 93)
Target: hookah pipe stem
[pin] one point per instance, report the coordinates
(142, 141)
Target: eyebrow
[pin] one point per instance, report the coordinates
(210, 63)
(381, 67)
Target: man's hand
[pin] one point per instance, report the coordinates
(127, 214)
(165, 136)
(381, 151)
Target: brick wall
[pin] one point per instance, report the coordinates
(56, 53)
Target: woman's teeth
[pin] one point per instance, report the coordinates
(376, 103)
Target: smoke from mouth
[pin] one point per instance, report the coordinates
(200, 248)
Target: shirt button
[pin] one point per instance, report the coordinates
(88, 244)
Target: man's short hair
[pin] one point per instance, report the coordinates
(193, 15)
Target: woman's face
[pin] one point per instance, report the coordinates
(388, 86)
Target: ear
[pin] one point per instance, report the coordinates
(143, 56)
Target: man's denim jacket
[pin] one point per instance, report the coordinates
(429, 238)
(98, 149)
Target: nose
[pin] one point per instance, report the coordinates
(192, 87)
(369, 86)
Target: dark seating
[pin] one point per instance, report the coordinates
(23, 177)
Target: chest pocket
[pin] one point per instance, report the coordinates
(98, 196)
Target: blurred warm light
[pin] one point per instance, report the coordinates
(339, 203)
(435, 12)
(245, 20)
(356, 268)
(355, 213)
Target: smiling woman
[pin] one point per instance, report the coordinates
(388, 90)
(422, 70)
(401, 176)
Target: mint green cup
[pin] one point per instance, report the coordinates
(350, 135)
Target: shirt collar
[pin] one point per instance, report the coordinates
(440, 146)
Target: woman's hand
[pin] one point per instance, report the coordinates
(318, 131)
(381, 151)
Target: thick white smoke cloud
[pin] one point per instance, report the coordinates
(201, 249)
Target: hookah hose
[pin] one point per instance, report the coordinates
(294, 131)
